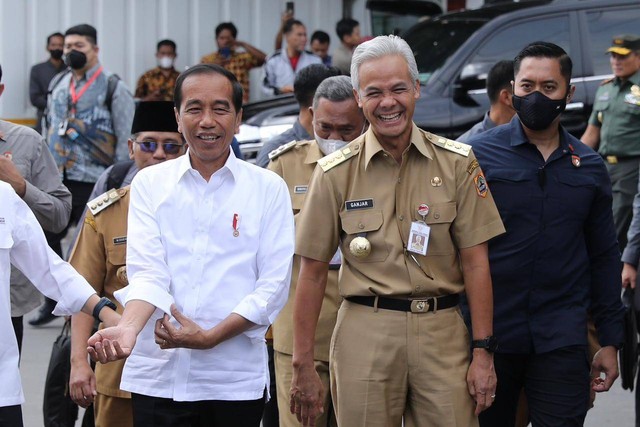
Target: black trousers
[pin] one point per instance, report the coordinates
(159, 412)
(556, 385)
(11, 416)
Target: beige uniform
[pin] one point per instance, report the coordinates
(386, 364)
(295, 163)
(99, 252)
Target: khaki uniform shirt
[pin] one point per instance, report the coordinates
(370, 195)
(98, 254)
(296, 166)
(616, 111)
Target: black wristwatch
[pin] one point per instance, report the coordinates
(104, 301)
(490, 344)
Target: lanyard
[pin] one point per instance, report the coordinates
(75, 97)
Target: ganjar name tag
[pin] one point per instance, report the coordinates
(352, 205)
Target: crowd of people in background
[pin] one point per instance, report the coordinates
(167, 215)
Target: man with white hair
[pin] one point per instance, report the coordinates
(400, 349)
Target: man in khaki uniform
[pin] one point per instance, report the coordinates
(99, 256)
(337, 120)
(400, 349)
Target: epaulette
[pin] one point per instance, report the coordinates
(604, 82)
(451, 145)
(282, 149)
(334, 159)
(104, 200)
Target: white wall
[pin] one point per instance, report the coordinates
(129, 29)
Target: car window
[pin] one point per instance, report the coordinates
(507, 42)
(437, 41)
(603, 26)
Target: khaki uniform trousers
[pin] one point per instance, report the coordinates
(388, 364)
(284, 374)
(112, 411)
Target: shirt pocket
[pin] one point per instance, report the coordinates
(369, 224)
(439, 219)
(575, 195)
(511, 189)
(117, 254)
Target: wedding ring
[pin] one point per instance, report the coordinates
(493, 396)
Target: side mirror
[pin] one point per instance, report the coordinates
(474, 76)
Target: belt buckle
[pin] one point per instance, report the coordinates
(420, 305)
(612, 160)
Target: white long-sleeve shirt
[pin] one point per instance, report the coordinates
(22, 243)
(181, 249)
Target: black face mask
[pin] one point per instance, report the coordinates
(56, 53)
(75, 59)
(536, 111)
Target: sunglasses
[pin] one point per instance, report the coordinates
(152, 146)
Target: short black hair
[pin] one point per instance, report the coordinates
(288, 26)
(500, 77)
(545, 50)
(321, 36)
(345, 27)
(308, 80)
(54, 35)
(209, 69)
(84, 30)
(166, 42)
(227, 26)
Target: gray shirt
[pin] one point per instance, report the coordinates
(631, 253)
(296, 133)
(45, 194)
(479, 127)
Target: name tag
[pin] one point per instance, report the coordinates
(120, 240)
(300, 189)
(352, 205)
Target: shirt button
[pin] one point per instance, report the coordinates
(399, 180)
(436, 215)
(401, 217)
(418, 288)
(361, 226)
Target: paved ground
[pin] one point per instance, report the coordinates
(614, 408)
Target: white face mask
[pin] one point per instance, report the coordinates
(328, 146)
(165, 62)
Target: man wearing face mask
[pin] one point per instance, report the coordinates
(559, 259)
(337, 120)
(90, 115)
(157, 84)
(42, 73)
(304, 88)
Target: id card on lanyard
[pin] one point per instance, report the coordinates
(75, 96)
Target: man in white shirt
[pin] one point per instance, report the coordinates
(22, 244)
(210, 242)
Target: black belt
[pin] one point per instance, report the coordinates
(334, 266)
(414, 306)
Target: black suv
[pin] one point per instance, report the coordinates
(455, 51)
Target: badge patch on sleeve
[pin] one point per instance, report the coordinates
(481, 185)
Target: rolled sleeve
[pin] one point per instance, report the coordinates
(274, 259)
